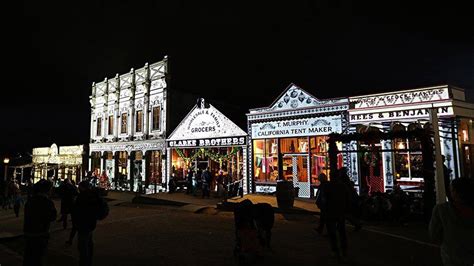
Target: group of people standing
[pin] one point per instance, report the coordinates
(451, 224)
(84, 205)
(205, 182)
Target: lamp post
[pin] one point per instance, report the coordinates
(6, 161)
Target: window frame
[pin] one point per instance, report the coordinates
(158, 123)
(139, 121)
(122, 124)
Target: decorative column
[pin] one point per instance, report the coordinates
(102, 162)
(117, 115)
(129, 168)
(144, 162)
(168, 162)
(146, 104)
(387, 165)
(245, 185)
(90, 161)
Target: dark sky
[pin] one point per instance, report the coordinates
(236, 55)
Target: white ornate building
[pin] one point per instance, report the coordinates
(128, 128)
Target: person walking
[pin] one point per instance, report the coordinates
(67, 193)
(16, 198)
(206, 183)
(39, 213)
(353, 212)
(452, 224)
(189, 182)
(447, 179)
(88, 208)
(338, 204)
(321, 201)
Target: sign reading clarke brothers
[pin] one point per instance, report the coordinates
(297, 127)
(204, 127)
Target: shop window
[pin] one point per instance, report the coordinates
(99, 126)
(139, 121)
(408, 158)
(320, 157)
(156, 118)
(155, 167)
(111, 125)
(294, 145)
(178, 165)
(123, 129)
(266, 160)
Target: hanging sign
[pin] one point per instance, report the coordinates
(297, 127)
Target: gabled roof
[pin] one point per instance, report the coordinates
(204, 122)
(294, 97)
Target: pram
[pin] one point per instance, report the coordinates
(253, 225)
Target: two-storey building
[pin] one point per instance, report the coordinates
(128, 128)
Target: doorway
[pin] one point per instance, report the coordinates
(296, 168)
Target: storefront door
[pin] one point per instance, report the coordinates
(297, 169)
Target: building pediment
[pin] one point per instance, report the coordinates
(205, 122)
(294, 98)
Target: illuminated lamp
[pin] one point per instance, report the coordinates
(465, 137)
(401, 145)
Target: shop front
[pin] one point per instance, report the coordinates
(58, 163)
(399, 162)
(206, 139)
(129, 166)
(288, 141)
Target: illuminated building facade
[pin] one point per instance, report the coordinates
(288, 141)
(399, 162)
(128, 128)
(58, 163)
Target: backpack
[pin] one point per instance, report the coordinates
(103, 209)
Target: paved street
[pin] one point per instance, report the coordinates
(168, 235)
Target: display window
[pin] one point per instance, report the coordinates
(408, 158)
(294, 145)
(265, 160)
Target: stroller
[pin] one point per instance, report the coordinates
(253, 225)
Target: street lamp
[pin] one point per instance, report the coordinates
(6, 161)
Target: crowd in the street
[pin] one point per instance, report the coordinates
(82, 205)
(451, 225)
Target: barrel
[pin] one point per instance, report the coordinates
(285, 193)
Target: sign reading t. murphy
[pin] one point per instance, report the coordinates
(297, 127)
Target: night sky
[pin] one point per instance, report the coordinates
(237, 56)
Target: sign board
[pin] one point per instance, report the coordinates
(297, 127)
(398, 114)
(214, 142)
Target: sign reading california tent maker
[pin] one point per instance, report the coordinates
(297, 127)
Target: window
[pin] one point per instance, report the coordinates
(408, 158)
(111, 125)
(294, 145)
(124, 123)
(156, 118)
(99, 126)
(155, 168)
(139, 121)
(265, 160)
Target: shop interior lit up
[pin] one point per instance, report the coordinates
(226, 159)
(302, 160)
